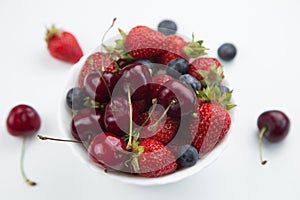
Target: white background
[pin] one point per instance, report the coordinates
(264, 75)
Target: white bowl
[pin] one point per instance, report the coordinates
(64, 122)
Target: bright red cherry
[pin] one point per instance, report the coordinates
(274, 125)
(99, 85)
(23, 120)
(109, 151)
(86, 123)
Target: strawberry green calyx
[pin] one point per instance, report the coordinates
(213, 95)
(52, 31)
(213, 76)
(195, 49)
(119, 48)
(212, 79)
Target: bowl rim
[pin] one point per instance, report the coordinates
(64, 112)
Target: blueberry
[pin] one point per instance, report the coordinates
(223, 89)
(177, 67)
(167, 27)
(191, 81)
(152, 66)
(227, 51)
(188, 155)
(75, 98)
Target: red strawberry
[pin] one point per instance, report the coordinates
(156, 160)
(202, 63)
(173, 48)
(143, 42)
(213, 123)
(162, 130)
(63, 45)
(98, 60)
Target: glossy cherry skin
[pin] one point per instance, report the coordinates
(87, 123)
(99, 85)
(137, 77)
(23, 120)
(109, 151)
(184, 98)
(117, 118)
(277, 124)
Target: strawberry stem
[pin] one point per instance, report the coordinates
(29, 182)
(261, 135)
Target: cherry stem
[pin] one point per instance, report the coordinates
(56, 139)
(129, 144)
(154, 102)
(29, 182)
(261, 135)
(162, 116)
(104, 35)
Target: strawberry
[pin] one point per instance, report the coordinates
(63, 45)
(97, 60)
(176, 47)
(213, 123)
(157, 82)
(156, 159)
(173, 48)
(204, 64)
(143, 42)
(162, 130)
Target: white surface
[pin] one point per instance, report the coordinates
(264, 75)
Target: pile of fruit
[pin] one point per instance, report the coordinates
(151, 104)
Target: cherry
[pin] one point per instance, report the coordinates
(23, 120)
(137, 76)
(274, 126)
(178, 97)
(117, 116)
(109, 151)
(99, 85)
(86, 123)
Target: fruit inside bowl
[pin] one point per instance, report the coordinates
(151, 109)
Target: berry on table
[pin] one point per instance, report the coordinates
(63, 45)
(23, 120)
(227, 51)
(274, 125)
(167, 27)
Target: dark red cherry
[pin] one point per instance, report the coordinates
(178, 97)
(274, 125)
(117, 116)
(109, 151)
(99, 85)
(87, 123)
(23, 120)
(137, 77)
